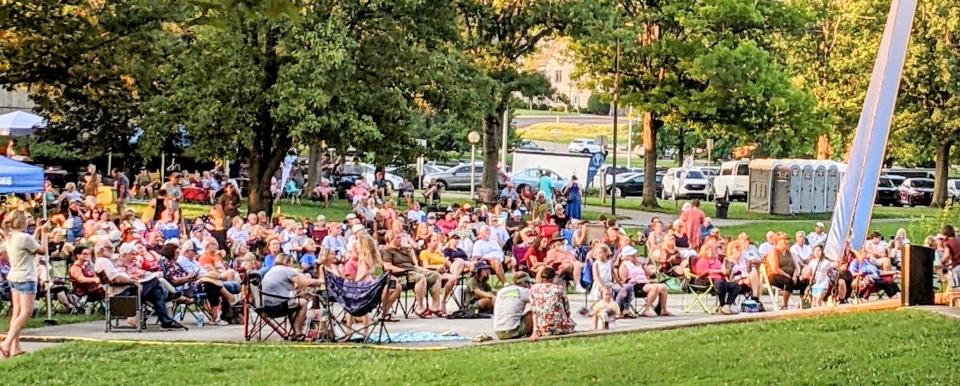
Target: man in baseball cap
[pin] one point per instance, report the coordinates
(511, 320)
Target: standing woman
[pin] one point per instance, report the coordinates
(22, 250)
(572, 190)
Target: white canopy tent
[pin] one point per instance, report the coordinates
(19, 123)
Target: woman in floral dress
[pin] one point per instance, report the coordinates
(550, 308)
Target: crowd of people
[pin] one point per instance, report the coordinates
(537, 248)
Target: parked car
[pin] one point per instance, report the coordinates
(633, 186)
(393, 181)
(584, 145)
(609, 180)
(607, 172)
(887, 192)
(953, 189)
(916, 191)
(410, 172)
(527, 144)
(531, 177)
(695, 183)
(733, 181)
(456, 177)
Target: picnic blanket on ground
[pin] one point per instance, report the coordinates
(411, 337)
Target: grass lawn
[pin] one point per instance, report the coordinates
(738, 210)
(893, 347)
(567, 131)
(62, 319)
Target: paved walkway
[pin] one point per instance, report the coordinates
(468, 329)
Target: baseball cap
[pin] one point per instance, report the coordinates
(351, 216)
(516, 213)
(819, 224)
(628, 251)
(357, 228)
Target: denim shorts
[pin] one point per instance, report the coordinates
(24, 287)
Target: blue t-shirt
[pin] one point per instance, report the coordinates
(267, 264)
(546, 186)
(308, 259)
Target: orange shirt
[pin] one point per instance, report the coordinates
(210, 260)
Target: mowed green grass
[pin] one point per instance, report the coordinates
(892, 347)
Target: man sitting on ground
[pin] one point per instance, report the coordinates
(479, 294)
(511, 318)
(278, 287)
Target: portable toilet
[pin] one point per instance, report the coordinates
(832, 185)
(796, 186)
(820, 188)
(781, 197)
(807, 193)
(760, 185)
(769, 187)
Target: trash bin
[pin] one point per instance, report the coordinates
(722, 206)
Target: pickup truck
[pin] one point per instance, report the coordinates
(733, 181)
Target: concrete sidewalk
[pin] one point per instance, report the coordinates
(466, 328)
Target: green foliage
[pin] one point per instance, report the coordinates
(86, 64)
(595, 105)
(706, 65)
(931, 224)
(892, 347)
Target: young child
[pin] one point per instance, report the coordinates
(605, 311)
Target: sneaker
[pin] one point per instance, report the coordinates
(580, 289)
(221, 322)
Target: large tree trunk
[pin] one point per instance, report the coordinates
(270, 143)
(942, 172)
(313, 168)
(490, 152)
(649, 135)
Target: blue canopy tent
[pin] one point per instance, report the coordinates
(19, 177)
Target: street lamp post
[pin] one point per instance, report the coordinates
(473, 137)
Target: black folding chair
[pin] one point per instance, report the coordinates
(122, 306)
(258, 317)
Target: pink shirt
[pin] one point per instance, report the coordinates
(704, 265)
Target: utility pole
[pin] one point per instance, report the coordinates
(616, 99)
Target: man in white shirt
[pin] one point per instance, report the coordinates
(767, 246)
(800, 251)
(335, 242)
(416, 215)
(818, 236)
(877, 252)
(498, 231)
(150, 290)
(487, 249)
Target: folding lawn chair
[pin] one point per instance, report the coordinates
(701, 287)
(765, 286)
(358, 299)
(257, 317)
(118, 308)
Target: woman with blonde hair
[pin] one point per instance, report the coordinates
(22, 250)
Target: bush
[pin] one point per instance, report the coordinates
(597, 106)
